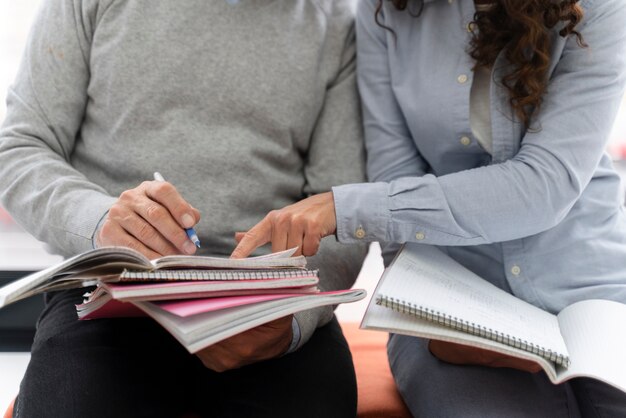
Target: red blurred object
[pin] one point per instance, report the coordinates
(9, 412)
(377, 393)
(7, 223)
(5, 217)
(618, 151)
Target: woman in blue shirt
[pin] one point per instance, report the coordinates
(486, 125)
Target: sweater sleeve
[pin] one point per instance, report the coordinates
(45, 108)
(336, 156)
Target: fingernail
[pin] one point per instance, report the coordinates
(188, 220)
(189, 247)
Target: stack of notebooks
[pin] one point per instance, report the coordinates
(199, 300)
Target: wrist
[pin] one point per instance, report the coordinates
(95, 238)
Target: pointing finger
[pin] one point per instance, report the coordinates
(260, 234)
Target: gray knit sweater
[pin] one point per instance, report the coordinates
(244, 108)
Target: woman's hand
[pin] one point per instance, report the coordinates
(150, 219)
(463, 354)
(301, 225)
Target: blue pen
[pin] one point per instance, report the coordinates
(191, 233)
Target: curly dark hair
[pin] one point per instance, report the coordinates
(522, 29)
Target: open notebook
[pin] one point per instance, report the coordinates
(112, 264)
(427, 294)
(199, 300)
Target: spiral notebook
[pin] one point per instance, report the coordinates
(105, 265)
(183, 284)
(213, 275)
(426, 293)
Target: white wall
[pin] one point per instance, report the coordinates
(15, 21)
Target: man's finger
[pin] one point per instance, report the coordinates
(167, 195)
(112, 233)
(260, 234)
(126, 217)
(161, 219)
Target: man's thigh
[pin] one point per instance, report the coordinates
(133, 368)
(316, 381)
(125, 367)
(432, 388)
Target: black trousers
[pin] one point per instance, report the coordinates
(133, 368)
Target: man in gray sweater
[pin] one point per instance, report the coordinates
(245, 106)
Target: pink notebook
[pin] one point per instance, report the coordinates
(184, 308)
(115, 309)
(188, 307)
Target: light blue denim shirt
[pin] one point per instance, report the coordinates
(541, 217)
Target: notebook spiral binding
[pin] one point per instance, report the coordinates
(470, 328)
(191, 275)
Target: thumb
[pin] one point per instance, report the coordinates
(239, 236)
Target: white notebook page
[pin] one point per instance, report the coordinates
(426, 277)
(595, 333)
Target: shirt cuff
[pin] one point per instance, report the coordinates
(295, 339)
(97, 230)
(362, 212)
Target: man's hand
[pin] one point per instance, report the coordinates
(261, 343)
(301, 225)
(150, 219)
(462, 354)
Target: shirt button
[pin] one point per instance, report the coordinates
(420, 236)
(462, 79)
(359, 233)
(516, 270)
(465, 140)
